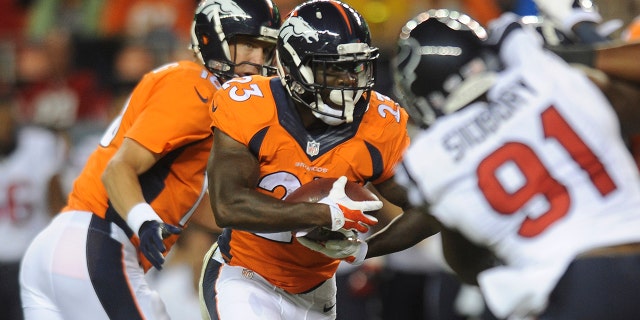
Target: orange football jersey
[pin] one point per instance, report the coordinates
(167, 113)
(257, 112)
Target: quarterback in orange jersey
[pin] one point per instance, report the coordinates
(318, 119)
(146, 179)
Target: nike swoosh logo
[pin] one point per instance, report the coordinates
(203, 99)
(327, 309)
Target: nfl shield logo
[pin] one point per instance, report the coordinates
(313, 148)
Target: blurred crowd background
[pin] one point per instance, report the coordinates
(72, 62)
(70, 65)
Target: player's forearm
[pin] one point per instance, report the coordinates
(615, 60)
(253, 211)
(123, 188)
(203, 217)
(403, 232)
(620, 61)
(465, 258)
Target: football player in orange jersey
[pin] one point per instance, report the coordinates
(146, 179)
(318, 119)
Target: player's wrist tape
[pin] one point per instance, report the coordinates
(139, 214)
(337, 217)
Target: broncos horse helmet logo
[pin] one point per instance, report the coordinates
(297, 27)
(226, 9)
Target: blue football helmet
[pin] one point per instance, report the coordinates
(320, 38)
(217, 22)
(441, 64)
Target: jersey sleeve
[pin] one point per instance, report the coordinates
(388, 123)
(243, 108)
(173, 109)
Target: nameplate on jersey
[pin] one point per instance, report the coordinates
(313, 148)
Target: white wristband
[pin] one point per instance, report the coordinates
(361, 254)
(139, 214)
(337, 217)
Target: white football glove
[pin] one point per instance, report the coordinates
(347, 213)
(351, 249)
(564, 15)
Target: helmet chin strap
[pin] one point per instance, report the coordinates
(332, 116)
(329, 116)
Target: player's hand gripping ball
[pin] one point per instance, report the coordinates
(319, 189)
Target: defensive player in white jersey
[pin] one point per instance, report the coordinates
(522, 159)
(30, 159)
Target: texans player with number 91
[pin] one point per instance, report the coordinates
(318, 119)
(521, 158)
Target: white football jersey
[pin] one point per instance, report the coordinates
(25, 176)
(538, 174)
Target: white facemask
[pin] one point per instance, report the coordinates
(336, 97)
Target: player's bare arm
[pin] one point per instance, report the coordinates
(464, 257)
(120, 177)
(203, 217)
(617, 60)
(233, 175)
(407, 229)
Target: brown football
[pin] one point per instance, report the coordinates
(320, 188)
